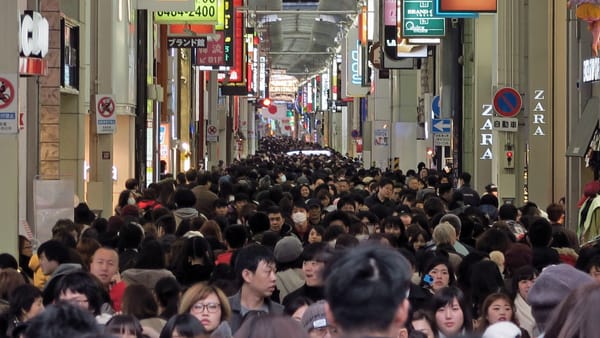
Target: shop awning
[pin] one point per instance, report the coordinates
(585, 129)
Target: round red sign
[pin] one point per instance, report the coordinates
(106, 107)
(7, 93)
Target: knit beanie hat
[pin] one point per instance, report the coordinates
(287, 249)
(551, 287)
(314, 316)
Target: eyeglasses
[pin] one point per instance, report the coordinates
(210, 307)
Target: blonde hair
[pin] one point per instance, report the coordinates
(200, 291)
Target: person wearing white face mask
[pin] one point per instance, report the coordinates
(126, 197)
(300, 219)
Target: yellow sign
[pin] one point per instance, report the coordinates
(207, 12)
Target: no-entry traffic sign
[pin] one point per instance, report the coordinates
(507, 102)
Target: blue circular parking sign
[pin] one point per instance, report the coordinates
(435, 107)
(507, 102)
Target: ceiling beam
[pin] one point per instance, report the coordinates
(300, 52)
(303, 11)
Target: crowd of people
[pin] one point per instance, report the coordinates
(304, 246)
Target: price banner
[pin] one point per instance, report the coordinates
(207, 12)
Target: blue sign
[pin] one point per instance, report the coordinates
(507, 102)
(435, 107)
(439, 126)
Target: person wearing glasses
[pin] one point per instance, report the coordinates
(80, 289)
(210, 305)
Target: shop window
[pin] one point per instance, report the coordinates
(69, 55)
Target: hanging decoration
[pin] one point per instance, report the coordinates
(589, 11)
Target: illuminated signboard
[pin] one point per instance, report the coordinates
(228, 31)
(419, 20)
(235, 54)
(395, 45)
(467, 6)
(212, 55)
(207, 12)
(591, 70)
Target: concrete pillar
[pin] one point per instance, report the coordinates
(244, 125)
(185, 115)
(482, 70)
(9, 65)
(380, 115)
(49, 136)
(539, 103)
(251, 132)
(100, 187)
(451, 82)
(577, 173)
(216, 150)
(561, 89)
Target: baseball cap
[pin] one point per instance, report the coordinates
(313, 202)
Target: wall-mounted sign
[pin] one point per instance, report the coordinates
(8, 104)
(34, 36)
(506, 124)
(538, 113)
(507, 102)
(418, 19)
(442, 139)
(186, 41)
(485, 132)
(207, 12)
(106, 119)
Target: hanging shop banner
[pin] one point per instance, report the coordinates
(419, 21)
(395, 46)
(235, 49)
(214, 53)
(228, 31)
(352, 73)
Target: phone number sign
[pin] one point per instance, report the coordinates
(207, 12)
